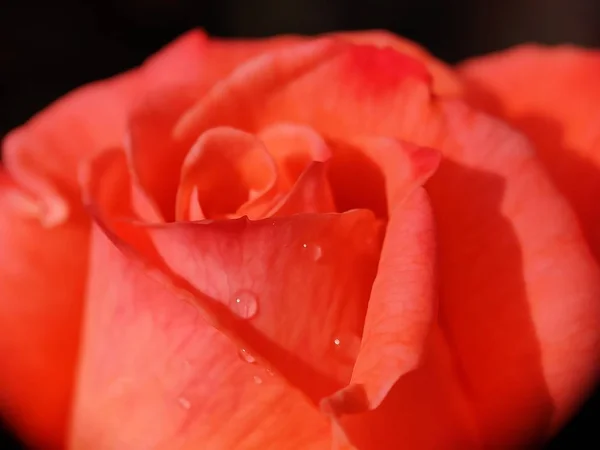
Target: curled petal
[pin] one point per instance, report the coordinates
(225, 170)
(311, 194)
(293, 147)
(402, 305)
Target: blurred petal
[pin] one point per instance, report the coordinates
(155, 157)
(445, 81)
(42, 279)
(44, 154)
(553, 96)
(154, 374)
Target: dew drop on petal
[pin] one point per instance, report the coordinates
(314, 251)
(184, 402)
(257, 379)
(244, 304)
(346, 346)
(246, 356)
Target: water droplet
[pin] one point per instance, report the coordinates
(246, 356)
(244, 304)
(315, 251)
(184, 402)
(346, 346)
(270, 372)
(257, 379)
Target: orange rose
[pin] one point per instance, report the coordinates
(285, 243)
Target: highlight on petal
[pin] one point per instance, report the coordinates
(551, 94)
(154, 374)
(225, 170)
(42, 281)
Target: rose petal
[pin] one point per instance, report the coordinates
(42, 277)
(43, 155)
(297, 319)
(293, 147)
(225, 170)
(552, 95)
(154, 374)
(156, 157)
(516, 347)
(337, 77)
(294, 285)
(445, 81)
(402, 305)
(519, 288)
(310, 194)
(426, 409)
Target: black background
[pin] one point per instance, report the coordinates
(48, 48)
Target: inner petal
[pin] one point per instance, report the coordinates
(294, 147)
(356, 180)
(224, 170)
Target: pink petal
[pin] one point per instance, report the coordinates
(44, 154)
(551, 95)
(154, 374)
(225, 169)
(42, 281)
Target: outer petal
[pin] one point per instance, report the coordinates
(519, 288)
(42, 279)
(445, 81)
(553, 96)
(155, 375)
(44, 154)
(275, 88)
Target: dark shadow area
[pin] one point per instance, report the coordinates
(493, 340)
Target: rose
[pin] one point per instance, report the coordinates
(373, 294)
